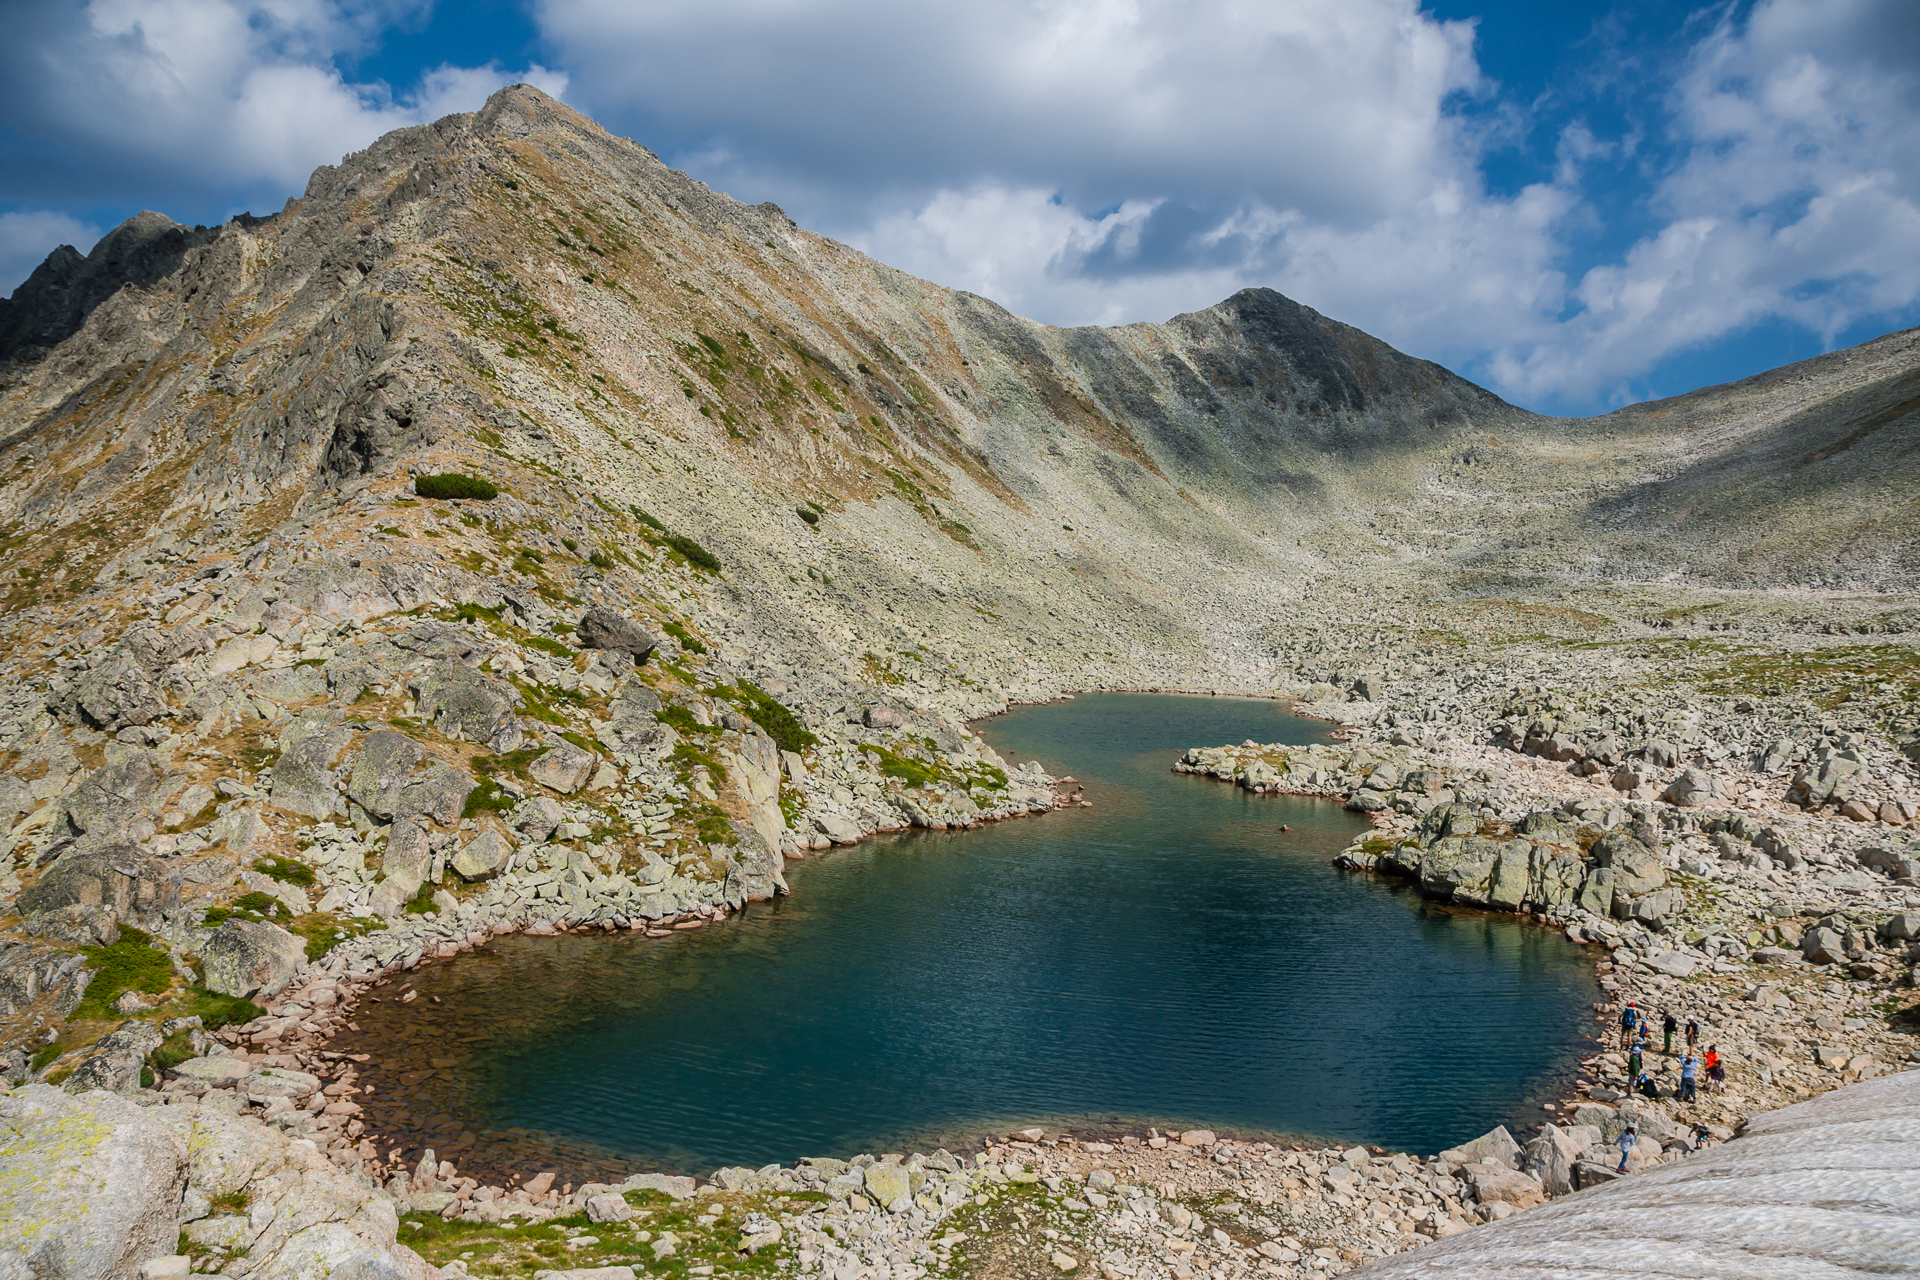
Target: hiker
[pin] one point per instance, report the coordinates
(1629, 1019)
(1693, 1031)
(1628, 1136)
(1689, 1065)
(1633, 1061)
(1716, 1069)
(1669, 1026)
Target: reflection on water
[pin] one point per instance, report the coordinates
(1169, 956)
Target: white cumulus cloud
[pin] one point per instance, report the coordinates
(1098, 161)
(233, 95)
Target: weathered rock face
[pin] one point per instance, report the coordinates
(117, 1060)
(89, 1188)
(605, 629)
(483, 857)
(468, 704)
(118, 878)
(115, 796)
(247, 958)
(1797, 1178)
(305, 779)
(388, 783)
(1497, 1146)
(563, 766)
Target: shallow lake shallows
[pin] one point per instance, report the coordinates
(1169, 956)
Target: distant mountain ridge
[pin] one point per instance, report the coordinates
(516, 291)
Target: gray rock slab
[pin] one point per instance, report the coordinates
(483, 857)
(1825, 1188)
(89, 1186)
(564, 767)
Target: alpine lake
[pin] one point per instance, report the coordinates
(1179, 955)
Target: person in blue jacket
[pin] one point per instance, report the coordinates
(1628, 1137)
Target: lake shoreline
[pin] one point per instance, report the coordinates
(385, 1139)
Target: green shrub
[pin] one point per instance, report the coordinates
(487, 797)
(688, 641)
(600, 560)
(687, 758)
(647, 520)
(455, 485)
(215, 1010)
(915, 773)
(679, 719)
(286, 870)
(324, 930)
(131, 964)
(811, 517)
(171, 1052)
(764, 710)
(696, 555)
(422, 900)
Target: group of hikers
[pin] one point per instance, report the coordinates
(1636, 1028)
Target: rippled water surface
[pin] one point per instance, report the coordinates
(1169, 956)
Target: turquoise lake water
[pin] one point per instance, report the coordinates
(1170, 956)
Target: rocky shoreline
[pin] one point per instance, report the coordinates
(1183, 1203)
(1781, 923)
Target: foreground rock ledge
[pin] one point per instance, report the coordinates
(1823, 1188)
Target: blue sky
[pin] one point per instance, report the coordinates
(1579, 205)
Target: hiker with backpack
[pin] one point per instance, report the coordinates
(1669, 1026)
(1629, 1019)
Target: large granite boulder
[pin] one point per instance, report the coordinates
(605, 629)
(1636, 867)
(1459, 868)
(306, 778)
(388, 783)
(483, 857)
(381, 770)
(563, 766)
(90, 1187)
(83, 926)
(248, 958)
(1555, 878)
(1550, 1158)
(304, 1217)
(118, 877)
(118, 693)
(468, 705)
(1496, 1145)
(116, 795)
(117, 1060)
(32, 972)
